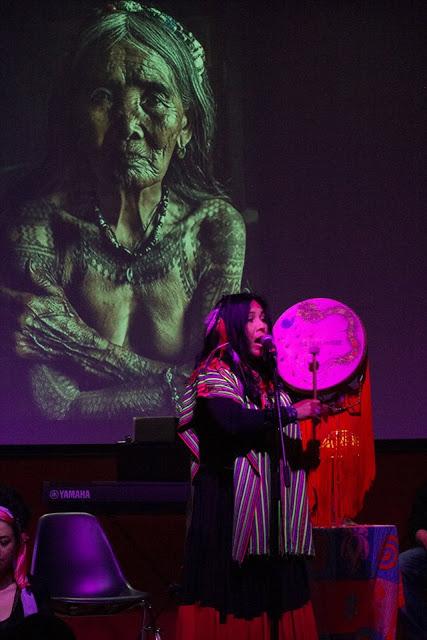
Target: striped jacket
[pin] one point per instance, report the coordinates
(251, 477)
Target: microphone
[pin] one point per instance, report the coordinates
(268, 346)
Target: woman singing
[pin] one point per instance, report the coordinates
(237, 578)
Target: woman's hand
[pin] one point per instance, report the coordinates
(310, 408)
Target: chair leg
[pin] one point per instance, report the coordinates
(149, 630)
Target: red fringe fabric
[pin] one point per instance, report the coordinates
(337, 488)
(202, 623)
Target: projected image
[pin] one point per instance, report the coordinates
(119, 245)
(117, 237)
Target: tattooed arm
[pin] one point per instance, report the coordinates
(52, 332)
(222, 238)
(58, 397)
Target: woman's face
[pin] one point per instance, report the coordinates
(8, 548)
(131, 115)
(256, 327)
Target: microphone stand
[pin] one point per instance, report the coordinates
(278, 452)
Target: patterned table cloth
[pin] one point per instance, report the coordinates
(355, 582)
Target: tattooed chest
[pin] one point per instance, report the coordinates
(148, 319)
(138, 303)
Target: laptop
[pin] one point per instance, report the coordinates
(154, 429)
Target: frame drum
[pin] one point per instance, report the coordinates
(326, 329)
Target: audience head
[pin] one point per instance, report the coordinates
(14, 518)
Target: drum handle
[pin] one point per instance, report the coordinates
(313, 367)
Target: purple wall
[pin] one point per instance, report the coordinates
(334, 160)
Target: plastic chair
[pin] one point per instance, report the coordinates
(74, 560)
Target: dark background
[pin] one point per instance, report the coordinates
(320, 139)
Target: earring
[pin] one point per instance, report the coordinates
(181, 151)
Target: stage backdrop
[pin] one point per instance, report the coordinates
(318, 142)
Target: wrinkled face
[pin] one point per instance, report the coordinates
(8, 548)
(255, 328)
(131, 116)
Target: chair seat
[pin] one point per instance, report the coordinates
(98, 605)
(139, 596)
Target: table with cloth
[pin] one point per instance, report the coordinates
(355, 582)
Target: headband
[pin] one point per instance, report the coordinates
(211, 320)
(215, 322)
(7, 513)
(173, 26)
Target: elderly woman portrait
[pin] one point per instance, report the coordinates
(123, 240)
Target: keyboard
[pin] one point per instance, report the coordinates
(112, 496)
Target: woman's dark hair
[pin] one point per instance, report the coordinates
(234, 311)
(13, 502)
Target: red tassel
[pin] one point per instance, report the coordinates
(338, 487)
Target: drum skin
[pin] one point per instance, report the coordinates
(324, 327)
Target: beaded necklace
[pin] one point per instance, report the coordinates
(139, 251)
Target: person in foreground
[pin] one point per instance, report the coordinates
(235, 583)
(17, 599)
(413, 566)
(24, 608)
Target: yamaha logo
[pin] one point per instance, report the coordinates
(70, 494)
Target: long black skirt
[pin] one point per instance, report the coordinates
(211, 578)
